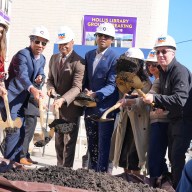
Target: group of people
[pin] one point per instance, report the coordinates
(145, 126)
(24, 90)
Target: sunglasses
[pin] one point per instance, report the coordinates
(42, 43)
(164, 51)
(103, 35)
(151, 64)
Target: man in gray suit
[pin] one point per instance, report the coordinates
(66, 71)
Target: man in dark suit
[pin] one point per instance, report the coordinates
(26, 65)
(100, 84)
(66, 71)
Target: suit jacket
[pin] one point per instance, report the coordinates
(67, 82)
(102, 81)
(32, 107)
(23, 70)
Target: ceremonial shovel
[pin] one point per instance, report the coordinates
(104, 116)
(134, 81)
(9, 123)
(40, 139)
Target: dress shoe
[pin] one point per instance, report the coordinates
(31, 161)
(24, 161)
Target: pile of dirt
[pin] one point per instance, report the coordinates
(80, 179)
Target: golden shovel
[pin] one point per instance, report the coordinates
(104, 118)
(121, 83)
(134, 81)
(40, 137)
(56, 112)
(43, 138)
(9, 123)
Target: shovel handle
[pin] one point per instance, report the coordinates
(41, 111)
(140, 92)
(9, 119)
(56, 112)
(116, 106)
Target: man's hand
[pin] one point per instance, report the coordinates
(59, 102)
(123, 101)
(39, 79)
(90, 93)
(148, 98)
(3, 91)
(51, 92)
(159, 111)
(36, 93)
(126, 102)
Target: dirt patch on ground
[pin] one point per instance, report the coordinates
(80, 179)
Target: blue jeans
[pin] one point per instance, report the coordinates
(99, 141)
(158, 143)
(185, 184)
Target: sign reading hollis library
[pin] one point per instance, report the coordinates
(125, 29)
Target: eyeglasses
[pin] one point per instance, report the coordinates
(103, 35)
(163, 51)
(152, 64)
(42, 43)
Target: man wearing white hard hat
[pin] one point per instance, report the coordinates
(158, 136)
(176, 97)
(26, 68)
(66, 71)
(100, 84)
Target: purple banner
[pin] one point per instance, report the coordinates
(6, 17)
(125, 29)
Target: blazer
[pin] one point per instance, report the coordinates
(32, 107)
(67, 82)
(23, 70)
(102, 81)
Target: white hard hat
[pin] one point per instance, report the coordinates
(165, 40)
(40, 32)
(3, 22)
(134, 52)
(64, 35)
(106, 29)
(152, 56)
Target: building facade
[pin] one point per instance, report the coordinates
(152, 19)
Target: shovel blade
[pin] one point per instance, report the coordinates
(42, 143)
(17, 123)
(37, 137)
(61, 126)
(41, 139)
(84, 103)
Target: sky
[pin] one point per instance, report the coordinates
(180, 28)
